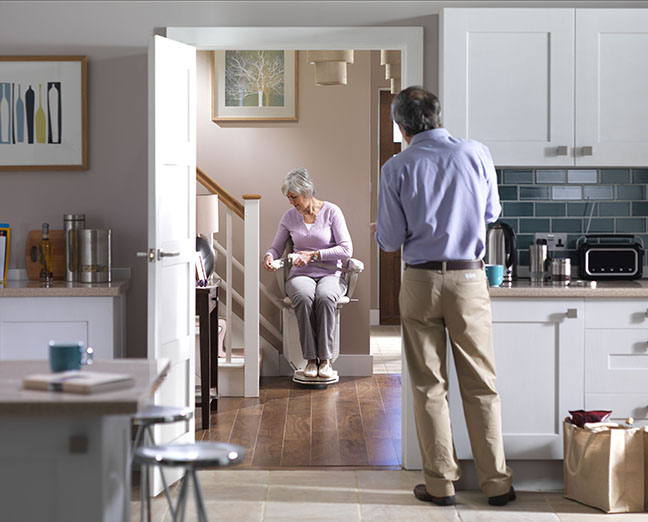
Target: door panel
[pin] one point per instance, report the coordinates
(171, 230)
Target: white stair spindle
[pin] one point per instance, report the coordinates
(251, 295)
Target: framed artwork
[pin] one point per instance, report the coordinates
(255, 85)
(43, 113)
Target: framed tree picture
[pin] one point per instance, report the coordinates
(43, 113)
(255, 85)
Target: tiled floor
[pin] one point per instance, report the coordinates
(385, 346)
(349, 496)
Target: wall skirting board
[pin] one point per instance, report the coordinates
(374, 317)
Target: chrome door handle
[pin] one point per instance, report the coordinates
(162, 253)
(561, 150)
(587, 151)
(572, 313)
(150, 254)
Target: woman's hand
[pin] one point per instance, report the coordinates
(303, 258)
(267, 263)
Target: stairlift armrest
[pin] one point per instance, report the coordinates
(356, 266)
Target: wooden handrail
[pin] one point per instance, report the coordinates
(228, 200)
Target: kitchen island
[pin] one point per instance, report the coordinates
(66, 457)
(556, 349)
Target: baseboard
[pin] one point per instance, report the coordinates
(374, 317)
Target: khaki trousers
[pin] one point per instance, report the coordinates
(432, 301)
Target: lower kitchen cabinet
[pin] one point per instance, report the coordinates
(27, 324)
(616, 358)
(539, 352)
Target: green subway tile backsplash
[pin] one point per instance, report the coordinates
(563, 200)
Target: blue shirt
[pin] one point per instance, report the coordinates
(436, 198)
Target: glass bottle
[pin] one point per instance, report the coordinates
(45, 249)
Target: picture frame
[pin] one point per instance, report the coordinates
(240, 78)
(43, 113)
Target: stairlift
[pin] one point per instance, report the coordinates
(291, 345)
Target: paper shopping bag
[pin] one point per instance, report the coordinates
(604, 468)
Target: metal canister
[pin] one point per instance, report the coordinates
(95, 258)
(538, 262)
(560, 271)
(73, 224)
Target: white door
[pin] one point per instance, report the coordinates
(539, 356)
(507, 80)
(611, 87)
(171, 226)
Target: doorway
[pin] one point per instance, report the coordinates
(407, 39)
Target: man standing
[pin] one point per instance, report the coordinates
(436, 198)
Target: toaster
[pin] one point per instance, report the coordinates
(610, 256)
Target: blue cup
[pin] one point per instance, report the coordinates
(495, 274)
(69, 356)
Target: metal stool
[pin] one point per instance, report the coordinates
(190, 457)
(144, 420)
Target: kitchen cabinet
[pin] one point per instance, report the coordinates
(540, 374)
(31, 316)
(616, 358)
(548, 87)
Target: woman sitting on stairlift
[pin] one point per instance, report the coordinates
(319, 233)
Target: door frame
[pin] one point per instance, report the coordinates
(408, 40)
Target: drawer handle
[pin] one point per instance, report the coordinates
(572, 313)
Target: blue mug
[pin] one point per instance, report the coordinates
(495, 274)
(69, 356)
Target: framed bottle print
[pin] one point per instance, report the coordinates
(43, 113)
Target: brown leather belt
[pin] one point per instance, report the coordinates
(449, 265)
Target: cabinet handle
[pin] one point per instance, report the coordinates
(572, 313)
(587, 151)
(562, 150)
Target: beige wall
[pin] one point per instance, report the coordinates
(115, 36)
(332, 139)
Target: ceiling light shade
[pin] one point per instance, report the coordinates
(207, 215)
(330, 66)
(389, 57)
(392, 62)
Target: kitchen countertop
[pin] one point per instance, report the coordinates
(29, 288)
(607, 289)
(14, 400)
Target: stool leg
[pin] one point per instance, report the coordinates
(149, 431)
(143, 490)
(138, 438)
(200, 504)
(179, 514)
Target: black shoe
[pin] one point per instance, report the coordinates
(421, 493)
(502, 500)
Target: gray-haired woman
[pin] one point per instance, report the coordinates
(319, 233)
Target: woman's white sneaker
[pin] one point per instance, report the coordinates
(325, 370)
(310, 370)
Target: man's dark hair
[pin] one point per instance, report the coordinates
(416, 110)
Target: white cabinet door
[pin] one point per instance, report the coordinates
(611, 87)
(539, 361)
(508, 81)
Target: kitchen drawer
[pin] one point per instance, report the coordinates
(616, 313)
(616, 361)
(622, 406)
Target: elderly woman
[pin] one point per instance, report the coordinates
(319, 233)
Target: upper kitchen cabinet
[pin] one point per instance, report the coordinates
(559, 87)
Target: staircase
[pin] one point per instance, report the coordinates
(240, 369)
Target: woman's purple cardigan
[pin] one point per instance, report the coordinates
(329, 234)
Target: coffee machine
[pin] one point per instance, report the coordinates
(501, 249)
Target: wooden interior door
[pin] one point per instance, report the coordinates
(390, 262)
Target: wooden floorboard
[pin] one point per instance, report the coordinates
(352, 424)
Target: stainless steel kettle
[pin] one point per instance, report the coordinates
(501, 249)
